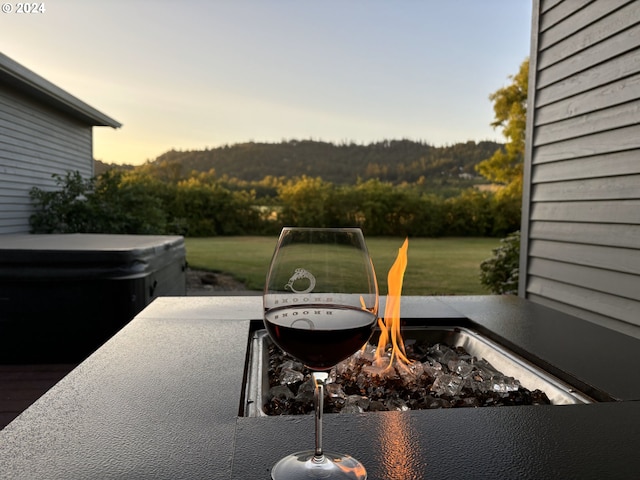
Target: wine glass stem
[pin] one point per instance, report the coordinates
(319, 379)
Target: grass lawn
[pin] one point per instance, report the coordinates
(436, 266)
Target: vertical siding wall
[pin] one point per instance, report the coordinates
(35, 142)
(581, 243)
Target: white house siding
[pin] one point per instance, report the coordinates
(581, 214)
(36, 141)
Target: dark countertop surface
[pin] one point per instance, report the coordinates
(161, 399)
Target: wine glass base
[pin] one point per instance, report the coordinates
(331, 466)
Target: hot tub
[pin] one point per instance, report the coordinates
(64, 295)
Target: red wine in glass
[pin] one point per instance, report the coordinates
(320, 306)
(320, 336)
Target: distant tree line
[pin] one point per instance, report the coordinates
(394, 161)
(136, 202)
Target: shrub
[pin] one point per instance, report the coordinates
(500, 272)
(106, 204)
(65, 210)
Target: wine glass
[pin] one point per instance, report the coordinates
(320, 306)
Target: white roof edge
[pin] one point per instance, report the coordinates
(35, 85)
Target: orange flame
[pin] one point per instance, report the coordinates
(390, 325)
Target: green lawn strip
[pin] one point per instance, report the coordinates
(436, 266)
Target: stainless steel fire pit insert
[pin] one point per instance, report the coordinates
(507, 362)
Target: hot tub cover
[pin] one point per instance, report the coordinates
(86, 255)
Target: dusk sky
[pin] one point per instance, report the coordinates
(195, 74)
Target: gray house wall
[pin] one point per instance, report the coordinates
(36, 142)
(580, 248)
(43, 131)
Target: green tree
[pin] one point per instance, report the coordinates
(307, 202)
(468, 214)
(126, 202)
(206, 208)
(510, 107)
(377, 207)
(429, 219)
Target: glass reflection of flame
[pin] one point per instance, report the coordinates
(400, 452)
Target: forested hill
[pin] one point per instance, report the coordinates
(394, 161)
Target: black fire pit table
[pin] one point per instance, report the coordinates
(163, 399)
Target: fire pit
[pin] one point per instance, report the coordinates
(435, 367)
(453, 367)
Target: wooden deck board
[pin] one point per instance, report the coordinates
(21, 385)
